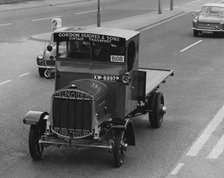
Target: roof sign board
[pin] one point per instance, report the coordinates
(70, 36)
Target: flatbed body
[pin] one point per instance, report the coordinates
(154, 77)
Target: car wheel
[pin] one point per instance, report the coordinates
(158, 110)
(47, 74)
(35, 148)
(119, 148)
(195, 33)
(41, 72)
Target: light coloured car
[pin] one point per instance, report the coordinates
(46, 62)
(210, 19)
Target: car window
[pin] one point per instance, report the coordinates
(62, 50)
(213, 10)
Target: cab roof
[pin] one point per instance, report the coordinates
(122, 33)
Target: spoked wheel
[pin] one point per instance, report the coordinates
(119, 148)
(158, 110)
(41, 72)
(35, 148)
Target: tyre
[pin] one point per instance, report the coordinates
(195, 32)
(41, 72)
(47, 74)
(119, 148)
(35, 148)
(158, 110)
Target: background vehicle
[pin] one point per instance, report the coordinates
(210, 19)
(46, 59)
(46, 62)
(98, 89)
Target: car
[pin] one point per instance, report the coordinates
(46, 62)
(210, 19)
(99, 87)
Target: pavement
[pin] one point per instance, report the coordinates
(133, 23)
(138, 22)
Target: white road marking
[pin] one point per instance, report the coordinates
(47, 18)
(157, 24)
(5, 24)
(206, 133)
(86, 12)
(22, 75)
(190, 46)
(217, 150)
(176, 170)
(7, 81)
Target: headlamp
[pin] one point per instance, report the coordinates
(41, 55)
(126, 78)
(195, 20)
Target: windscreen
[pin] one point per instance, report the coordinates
(99, 48)
(213, 10)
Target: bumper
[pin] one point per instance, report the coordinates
(208, 30)
(51, 140)
(46, 67)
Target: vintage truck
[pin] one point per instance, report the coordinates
(99, 87)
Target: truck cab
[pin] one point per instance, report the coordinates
(100, 60)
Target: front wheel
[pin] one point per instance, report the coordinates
(120, 148)
(47, 74)
(195, 32)
(35, 148)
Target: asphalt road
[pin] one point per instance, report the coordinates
(193, 97)
(22, 23)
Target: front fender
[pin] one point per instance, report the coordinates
(128, 126)
(34, 117)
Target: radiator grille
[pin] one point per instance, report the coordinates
(71, 116)
(210, 26)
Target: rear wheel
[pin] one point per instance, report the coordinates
(195, 32)
(158, 110)
(35, 148)
(41, 72)
(119, 148)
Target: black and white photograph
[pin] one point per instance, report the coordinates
(112, 88)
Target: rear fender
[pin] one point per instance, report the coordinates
(35, 118)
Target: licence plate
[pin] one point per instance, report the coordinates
(207, 32)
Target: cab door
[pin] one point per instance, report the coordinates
(131, 88)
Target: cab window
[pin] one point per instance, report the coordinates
(131, 55)
(79, 50)
(92, 51)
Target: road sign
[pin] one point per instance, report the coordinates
(56, 23)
